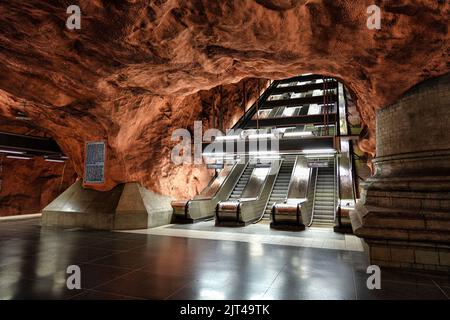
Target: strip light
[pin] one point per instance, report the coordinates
(54, 160)
(18, 157)
(11, 151)
(314, 151)
(262, 153)
(252, 153)
(221, 138)
(269, 157)
(298, 134)
(261, 136)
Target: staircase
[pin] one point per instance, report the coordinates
(239, 187)
(323, 209)
(281, 186)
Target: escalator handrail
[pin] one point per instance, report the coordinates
(272, 212)
(186, 209)
(237, 181)
(270, 192)
(262, 187)
(291, 178)
(297, 213)
(314, 198)
(336, 189)
(228, 177)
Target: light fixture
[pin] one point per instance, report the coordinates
(54, 160)
(11, 151)
(22, 116)
(222, 155)
(222, 138)
(213, 154)
(19, 157)
(268, 157)
(261, 136)
(262, 153)
(298, 134)
(315, 151)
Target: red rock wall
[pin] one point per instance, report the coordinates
(136, 68)
(27, 186)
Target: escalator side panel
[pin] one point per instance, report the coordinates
(202, 207)
(251, 211)
(298, 188)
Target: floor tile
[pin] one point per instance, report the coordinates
(145, 285)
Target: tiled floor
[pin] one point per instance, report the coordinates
(260, 233)
(115, 265)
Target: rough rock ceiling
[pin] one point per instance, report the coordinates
(136, 69)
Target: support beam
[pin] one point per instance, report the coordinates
(308, 77)
(332, 98)
(286, 146)
(304, 88)
(291, 121)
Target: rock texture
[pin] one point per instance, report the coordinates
(27, 186)
(139, 69)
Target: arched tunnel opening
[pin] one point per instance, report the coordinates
(253, 135)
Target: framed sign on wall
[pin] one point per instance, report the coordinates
(94, 168)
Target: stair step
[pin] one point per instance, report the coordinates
(323, 203)
(323, 208)
(323, 213)
(323, 218)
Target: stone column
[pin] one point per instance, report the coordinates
(404, 213)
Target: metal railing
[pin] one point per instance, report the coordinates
(291, 179)
(335, 187)
(314, 199)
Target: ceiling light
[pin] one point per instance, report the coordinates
(298, 134)
(54, 160)
(261, 136)
(221, 138)
(261, 153)
(11, 151)
(19, 157)
(314, 151)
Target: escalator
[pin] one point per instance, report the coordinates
(250, 196)
(324, 205)
(281, 186)
(295, 115)
(203, 206)
(239, 187)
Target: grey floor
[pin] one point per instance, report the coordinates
(257, 228)
(33, 263)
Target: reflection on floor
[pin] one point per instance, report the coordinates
(33, 263)
(323, 238)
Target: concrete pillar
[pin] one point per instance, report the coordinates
(127, 206)
(404, 213)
